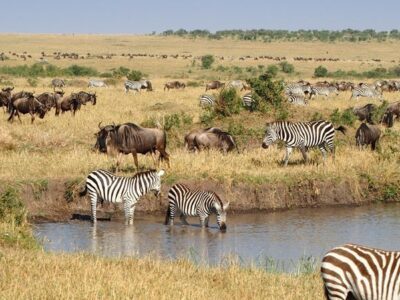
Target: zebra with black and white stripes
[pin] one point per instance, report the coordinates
(248, 101)
(367, 92)
(207, 100)
(302, 135)
(358, 272)
(96, 83)
(297, 100)
(193, 203)
(323, 91)
(297, 89)
(105, 186)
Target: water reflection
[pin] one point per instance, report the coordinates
(283, 236)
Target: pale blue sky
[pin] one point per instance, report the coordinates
(136, 17)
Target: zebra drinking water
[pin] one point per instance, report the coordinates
(302, 135)
(195, 203)
(357, 272)
(105, 186)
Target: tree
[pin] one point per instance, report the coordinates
(207, 61)
(320, 71)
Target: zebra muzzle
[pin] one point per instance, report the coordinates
(264, 145)
(222, 227)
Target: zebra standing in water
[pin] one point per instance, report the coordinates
(105, 186)
(357, 272)
(365, 91)
(302, 135)
(297, 100)
(195, 203)
(207, 100)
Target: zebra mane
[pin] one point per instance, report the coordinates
(147, 172)
(218, 199)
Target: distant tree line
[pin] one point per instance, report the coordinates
(287, 35)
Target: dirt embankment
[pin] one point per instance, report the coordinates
(58, 200)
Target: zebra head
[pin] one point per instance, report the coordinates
(155, 185)
(220, 210)
(270, 136)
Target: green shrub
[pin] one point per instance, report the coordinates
(286, 67)
(272, 70)
(135, 75)
(11, 207)
(33, 82)
(208, 116)
(320, 71)
(120, 72)
(76, 70)
(207, 61)
(347, 117)
(378, 113)
(228, 103)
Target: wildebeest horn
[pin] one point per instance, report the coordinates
(100, 126)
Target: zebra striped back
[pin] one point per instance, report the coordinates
(297, 89)
(195, 203)
(206, 100)
(96, 83)
(248, 101)
(323, 91)
(297, 100)
(365, 273)
(365, 92)
(104, 186)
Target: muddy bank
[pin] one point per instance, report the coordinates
(58, 200)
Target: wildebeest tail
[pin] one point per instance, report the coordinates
(342, 129)
(167, 216)
(84, 192)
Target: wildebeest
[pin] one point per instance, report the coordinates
(214, 85)
(238, 84)
(365, 112)
(96, 83)
(130, 138)
(49, 100)
(214, 139)
(392, 112)
(367, 134)
(67, 103)
(85, 97)
(57, 83)
(137, 85)
(189, 138)
(174, 85)
(26, 105)
(5, 96)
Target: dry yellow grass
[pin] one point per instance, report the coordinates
(60, 276)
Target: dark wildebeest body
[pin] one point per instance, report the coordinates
(130, 138)
(49, 100)
(365, 112)
(26, 105)
(67, 103)
(174, 85)
(367, 135)
(189, 138)
(214, 85)
(215, 139)
(85, 97)
(5, 97)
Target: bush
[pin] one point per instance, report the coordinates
(76, 70)
(320, 71)
(228, 103)
(135, 75)
(347, 117)
(33, 82)
(11, 208)
(207, 61)
(120, 72)
(272, 70)
(286, 67)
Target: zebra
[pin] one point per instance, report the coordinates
(57, 83)
(297, 100)
(248, 101)
(323, 91)
(365, 92)
(105, 186)
(297, 89)
(96, 83)
(206, 100)
(195, 203)
(357, 272)
(137, 85)
(302, 135)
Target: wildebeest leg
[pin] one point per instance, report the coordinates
(373, 145)
(154, 159)
(17, 113)
(288, 152)
(119, 155)
(134, 154)
(32, 118)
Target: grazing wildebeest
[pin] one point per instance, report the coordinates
(174, 85)
(238, 84)
(189, 138)
(85, 97)
(57, 83)
(130, 138)
(49, 100)
(96, 83)
(67, 103)
(367, 134)
(365, 112)
(26, 105)
(214, 85)
(5, 97)
(215, 139)
(392, 112)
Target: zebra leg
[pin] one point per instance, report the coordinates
(288, 152)
(93, 204)
(183, 219)
(304, 153)
(323, 151)
(203, 221)
(206, 221)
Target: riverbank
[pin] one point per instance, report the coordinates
(59, 276)
(58, 199)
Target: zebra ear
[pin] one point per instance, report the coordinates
(161, 173)
(226, 205)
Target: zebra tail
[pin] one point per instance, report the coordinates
(84, 192)
(342, 129)
(167, 216)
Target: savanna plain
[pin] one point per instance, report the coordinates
(43, 165)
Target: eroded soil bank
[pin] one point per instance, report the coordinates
(58, 199)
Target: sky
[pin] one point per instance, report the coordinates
(143, 17)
